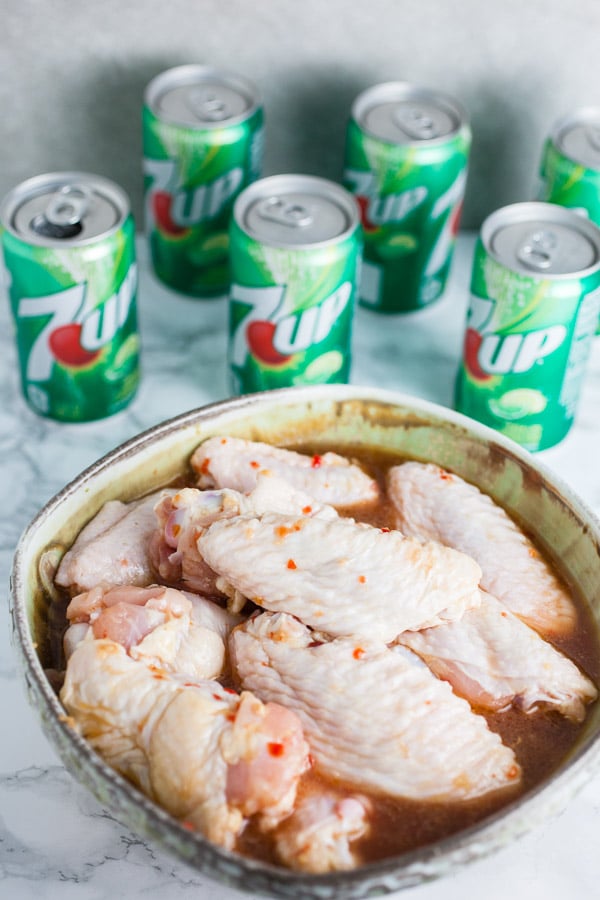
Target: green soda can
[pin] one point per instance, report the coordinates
(533, 310)
(69, 255)
(570, 166)
(203, 139)
(407, 150)
(295, 257)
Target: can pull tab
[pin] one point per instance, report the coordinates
(293, 215)
(64, 214)
(415, 122)
(207, 105)
(536, 251)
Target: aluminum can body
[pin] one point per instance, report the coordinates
(533, 309)
(407, 151)
(295, 260)
(570, 164)
(68, 246)
(202, 144)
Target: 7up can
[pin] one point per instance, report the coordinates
(570, 167)
(533, 311)
(68, 245)
(203, 136)
(407, 150)
(295, 253)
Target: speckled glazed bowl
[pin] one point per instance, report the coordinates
(337, 417)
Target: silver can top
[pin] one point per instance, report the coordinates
(300, 211)
(543, 240)
(402, 113)
(577, 136)
(201, 97)
(64, 208)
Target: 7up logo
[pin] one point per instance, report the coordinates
(487, 353)
(381, 209)
(271, 334)
(450, 202)
(173, 209)
(72, 334)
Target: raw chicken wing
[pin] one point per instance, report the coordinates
(433, 504)
(159, 625)
(495, 660)
(373, 717)
(342, 577)
(211, 758)
(329, 478)
(113, 547)
(320, 834)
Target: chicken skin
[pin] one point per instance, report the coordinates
(374, 717)
(233, 757)
(339, 576)
(433, 504)
(228, 462)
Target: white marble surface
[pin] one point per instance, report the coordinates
(56, 841)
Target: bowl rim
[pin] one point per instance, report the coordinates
(391, 874)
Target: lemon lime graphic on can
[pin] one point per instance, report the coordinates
(295, 256)
(532, 315)
(68, 242)
(203, 137)
(407, 149)
(518, 403)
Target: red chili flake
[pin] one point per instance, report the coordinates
(188, 826)
(223, 440)
(230, 691)
(276, 749)
(385, 530)
(254, 464)
(533, 553)
(316, 461)
(158, 676)
(513, 772)
(445, 476)
(306, 510)
(358, 653)
(190, 684)
(291, 564)
(230, 717)
(315, 644)
(503, 614)
(205, 466)
(282, 531)
(362, 579)
(217, 697)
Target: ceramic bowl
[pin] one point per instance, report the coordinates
(338, 417)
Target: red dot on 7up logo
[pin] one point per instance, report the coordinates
(488, 353)
(74, 335)
(271, 333)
